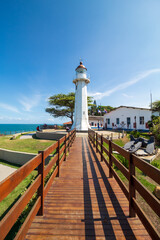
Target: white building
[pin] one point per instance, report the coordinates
(81, 104)
(131, 118)
(94, 121)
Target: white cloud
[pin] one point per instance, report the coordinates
(124, 85)
(51, 119)
(126, 95)
(9, 107)
(29, 102)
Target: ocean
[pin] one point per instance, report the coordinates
(12, 128)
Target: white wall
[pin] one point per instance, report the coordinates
(95, 122)
(123, 113)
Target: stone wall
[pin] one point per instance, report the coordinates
(19, 158)
(49, 135)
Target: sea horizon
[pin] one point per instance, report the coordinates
(11, 128)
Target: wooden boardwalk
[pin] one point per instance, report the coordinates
(83, 203)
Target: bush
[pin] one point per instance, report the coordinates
(155, 164)
(123, 160)
(135, 134)
(156, 130)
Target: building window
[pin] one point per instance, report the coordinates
(92, 123)
(108, 120)
(117, 120)
(141, 120)
(128, 121)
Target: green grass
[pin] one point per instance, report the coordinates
(6, 204)
(119, 142)
(9, 164)
(24, 145)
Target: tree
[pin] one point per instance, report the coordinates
(99, 110)
(63, 105)
(154, 127)
(156, 106)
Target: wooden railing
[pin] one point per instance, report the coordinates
(105, 148)
(60, 149)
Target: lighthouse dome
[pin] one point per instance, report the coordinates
(81, 66)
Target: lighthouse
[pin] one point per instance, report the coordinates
(81, 105)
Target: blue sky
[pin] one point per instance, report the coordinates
(41, 43)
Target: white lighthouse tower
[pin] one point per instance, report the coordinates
(81, 105)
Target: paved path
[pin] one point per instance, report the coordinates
(85, 204)
(5, 171)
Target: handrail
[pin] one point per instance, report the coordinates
(59, 150)
(134, 183)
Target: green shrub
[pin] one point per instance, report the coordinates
(155, 164)
(135, 134)
(123, 160)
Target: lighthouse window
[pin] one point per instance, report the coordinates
(83, 112)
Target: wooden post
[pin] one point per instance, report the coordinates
(58, 151)
(65, 150)
(111, 137)
(94, 139)
(132, 192)
(68, 141)
(123, 134)
(102, 147)
(110, 160)
(41, 187)
(96, 142)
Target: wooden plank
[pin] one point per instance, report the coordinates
(153, 202)
(62, 140)
(11, 217)
(85, 203)
(41, 187)
(50, 149)
(120, 166)
(8, 184)
(50, 165)
(62, 150)
(105, 140)
(106, 150)
(106, 162)
(50, 181)
(98, 151)
(147, 168)
(122, 151)
(132, 191)
(62, 159)
(101, 147)
(110, 159)
(145, 220)
(99, 143)
(23, 230)
(121, 184)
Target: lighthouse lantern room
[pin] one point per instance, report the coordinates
(81, 105)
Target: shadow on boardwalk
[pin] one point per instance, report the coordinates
(83, 203)
(105, 219)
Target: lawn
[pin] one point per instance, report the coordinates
(17, 192)
(13, 197)
(25, 145)
(145, 180)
